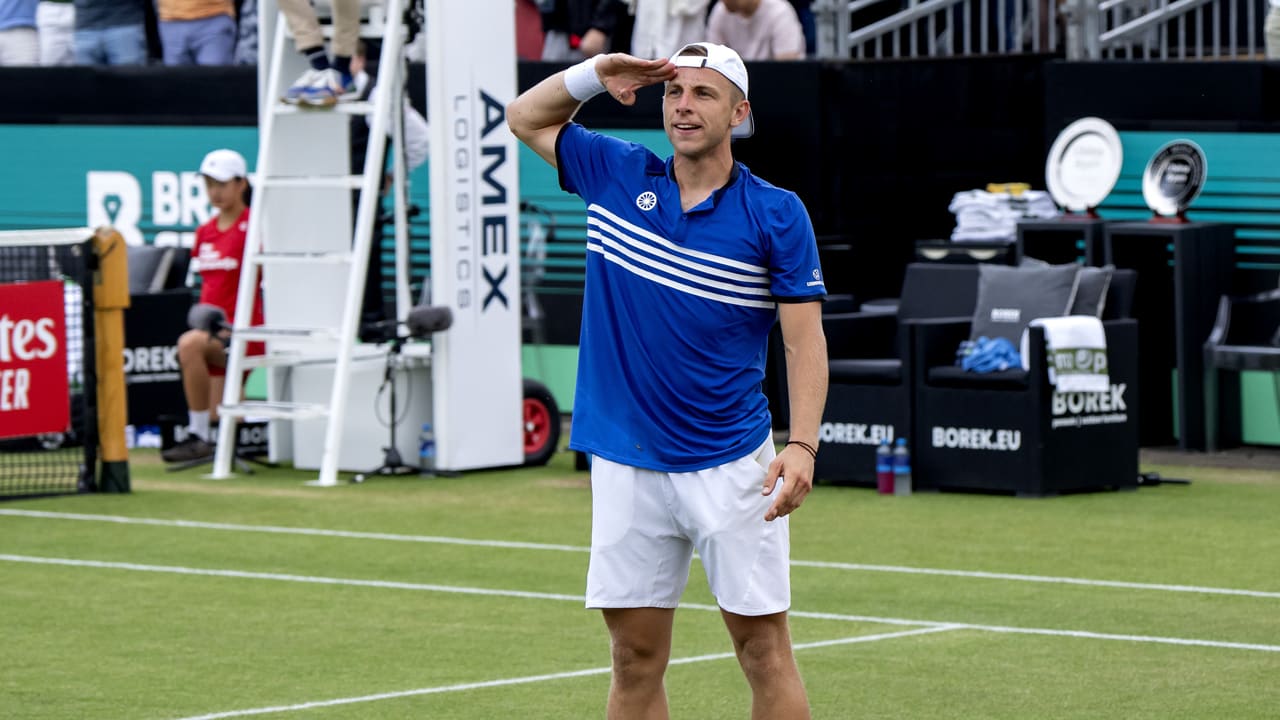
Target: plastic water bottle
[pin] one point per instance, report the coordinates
(147, 436)
(427, 447)
(901, 468)
(884, 468)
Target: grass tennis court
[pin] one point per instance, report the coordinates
(460, 598)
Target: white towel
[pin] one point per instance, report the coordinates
(1076, 348)
(982, 215)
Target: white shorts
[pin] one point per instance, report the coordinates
(645, 525)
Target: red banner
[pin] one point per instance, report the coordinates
(33, 359)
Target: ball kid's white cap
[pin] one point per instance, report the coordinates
(728, 63)
(223, 165)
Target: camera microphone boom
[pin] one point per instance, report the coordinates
(428, 319)
(423, 320)
(210, 318)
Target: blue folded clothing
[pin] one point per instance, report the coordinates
(986, 355)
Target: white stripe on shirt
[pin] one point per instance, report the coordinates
(754, 279)
(668, 282)
(728, 262)
(668, 269)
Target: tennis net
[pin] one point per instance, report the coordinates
(48, 419)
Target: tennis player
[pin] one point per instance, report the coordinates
(689, 263)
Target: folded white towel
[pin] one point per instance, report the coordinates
(1077, 352)
(982, 215)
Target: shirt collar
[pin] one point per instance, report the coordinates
(669, 169)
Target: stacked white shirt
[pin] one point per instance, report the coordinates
(982, 215)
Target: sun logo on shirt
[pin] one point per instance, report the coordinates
(646, 201)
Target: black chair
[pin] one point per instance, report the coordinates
(157, 315)
(870, 396)
(1245, 336)
(154, 269)
(1010, 431)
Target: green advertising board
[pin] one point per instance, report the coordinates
(143, 180)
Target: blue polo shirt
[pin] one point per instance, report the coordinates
(678, 305)
(18, 14)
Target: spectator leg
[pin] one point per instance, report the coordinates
(125, 45)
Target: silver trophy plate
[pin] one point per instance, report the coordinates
(1084, 164)
(1174, 177)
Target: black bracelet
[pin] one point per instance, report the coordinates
(812, 450)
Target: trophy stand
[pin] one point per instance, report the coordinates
(1063, 239)
(1178, 218)
(1187, 282)
(1083, 166)
(1090, 213)
(1081, 170)
(1173, 178)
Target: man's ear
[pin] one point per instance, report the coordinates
(741, 112)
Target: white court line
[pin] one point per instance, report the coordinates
(285, 577)
(322, 532)
(1036, 578)
(537, 678)
(1085, 634)
(425, 587)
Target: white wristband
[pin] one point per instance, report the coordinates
(581, 80)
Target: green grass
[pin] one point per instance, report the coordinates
(153, 641)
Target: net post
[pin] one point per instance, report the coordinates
(111, 299)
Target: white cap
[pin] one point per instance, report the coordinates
(728, 63)
(224, 165)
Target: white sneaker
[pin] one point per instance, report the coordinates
(318, 88)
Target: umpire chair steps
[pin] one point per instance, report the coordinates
(300, 227)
